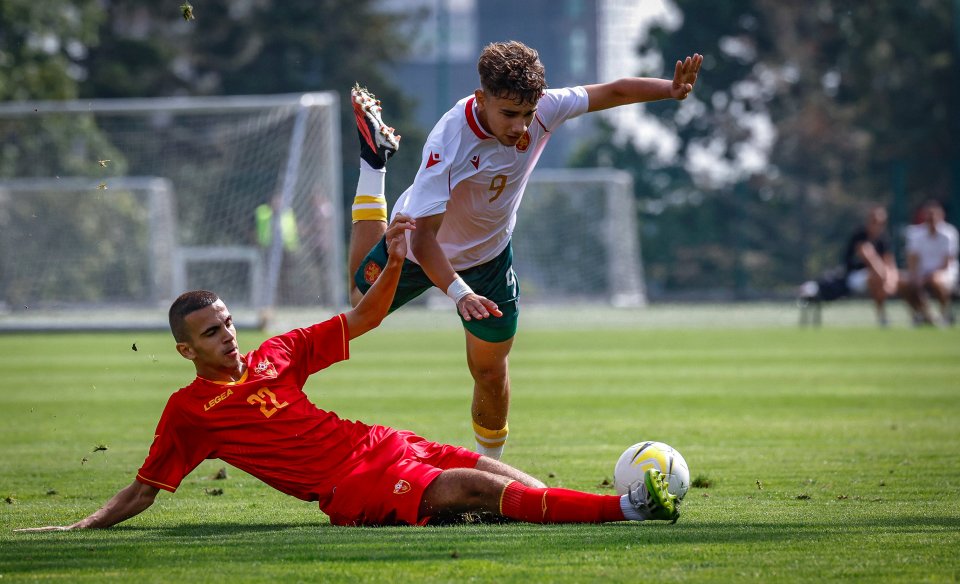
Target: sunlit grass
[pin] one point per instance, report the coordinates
(831, 453)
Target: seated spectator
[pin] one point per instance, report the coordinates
(931, 265)
(870, 267)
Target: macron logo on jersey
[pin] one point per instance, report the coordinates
(434, 159)
(475, 161)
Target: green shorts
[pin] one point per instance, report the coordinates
(495, 280)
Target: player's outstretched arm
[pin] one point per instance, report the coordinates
(438, 268)
(642, 89)
(375, 305)
(130, 501)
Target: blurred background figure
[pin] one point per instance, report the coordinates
(871, 268)
(931, 265)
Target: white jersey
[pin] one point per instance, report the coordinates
(476, 181)
(932, 250)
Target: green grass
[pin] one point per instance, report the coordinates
(851, 432)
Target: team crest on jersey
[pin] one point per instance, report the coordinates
(265, 368)
(401, 487)
(524, 142)
(371, 272)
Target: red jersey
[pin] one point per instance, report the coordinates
(264, 424)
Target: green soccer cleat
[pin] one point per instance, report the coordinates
(652, 500)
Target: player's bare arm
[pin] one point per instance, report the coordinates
(868, 253)
(128, 502)
(375, 305)
(884, 266)
(438, 268)
(891, 279)
(643, 89)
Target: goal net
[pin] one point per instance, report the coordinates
(576, 239)
(121, 205)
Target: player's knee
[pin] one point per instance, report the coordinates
(491, 377)
(474, 494)
(484, 490)
(503, 469)
(463, 490)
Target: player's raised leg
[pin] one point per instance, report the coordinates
(377, 144)
(462, 490)
(488, 363)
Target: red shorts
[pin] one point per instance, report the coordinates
(388, 485)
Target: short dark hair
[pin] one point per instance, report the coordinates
(512, 70)
(185, 304)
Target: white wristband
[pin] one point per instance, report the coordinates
(458, 289)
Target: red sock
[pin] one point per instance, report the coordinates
(558, 505)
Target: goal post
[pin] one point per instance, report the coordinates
(576, 239)
(66, 240)
(130, 202)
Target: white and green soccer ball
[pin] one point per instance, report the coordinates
(635, 461)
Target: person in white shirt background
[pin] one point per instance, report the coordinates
(932, 267)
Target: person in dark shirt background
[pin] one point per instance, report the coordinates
(870, 265)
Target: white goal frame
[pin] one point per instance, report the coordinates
(607, 213)
(169, 255)
(162, 227)
(614, 218)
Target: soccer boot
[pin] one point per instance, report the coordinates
(652, 500)
(377, 140)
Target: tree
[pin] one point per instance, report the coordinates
(258, 47)
(800, 117)
(130, 48)
(42, 47)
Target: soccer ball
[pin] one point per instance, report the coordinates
(635, 461)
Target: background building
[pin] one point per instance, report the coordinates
(579, 41)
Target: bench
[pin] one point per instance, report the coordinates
(814, 294)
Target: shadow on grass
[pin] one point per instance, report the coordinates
(233, 543)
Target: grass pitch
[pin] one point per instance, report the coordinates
(832, 454)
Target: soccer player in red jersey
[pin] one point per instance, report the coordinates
(251, 412)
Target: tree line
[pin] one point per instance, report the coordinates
(842, 103)
(804, 113)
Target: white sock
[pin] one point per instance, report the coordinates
(372, 181)
(629, 511)
(490, 442)
(495, 453)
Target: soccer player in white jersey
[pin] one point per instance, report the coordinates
(475, 166)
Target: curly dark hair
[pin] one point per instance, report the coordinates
(512, 70)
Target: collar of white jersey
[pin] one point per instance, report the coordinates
(469, 111)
